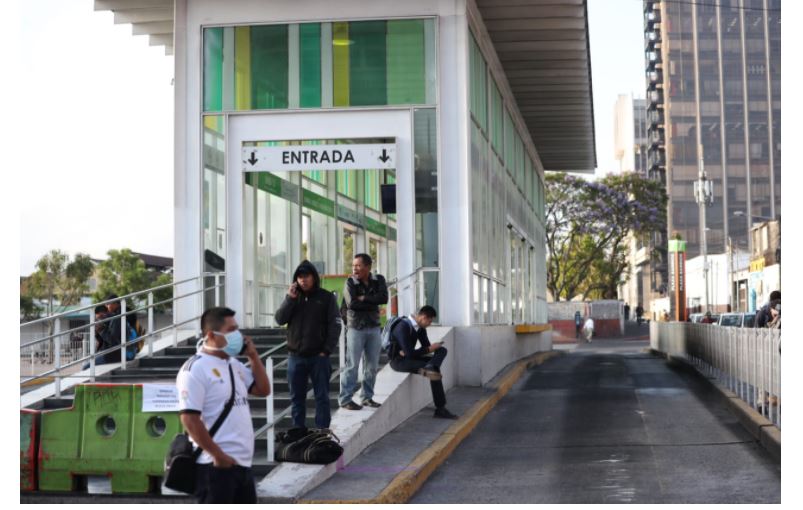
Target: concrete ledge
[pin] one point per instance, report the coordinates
(762, 429)
(533, 328)
(401, 395)
(410, 479)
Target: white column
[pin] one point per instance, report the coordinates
(454, 186)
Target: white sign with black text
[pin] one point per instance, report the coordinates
(371, 156)
(159, 397)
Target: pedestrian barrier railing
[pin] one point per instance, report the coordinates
(107, 432)
(747, 361)
(50, 347)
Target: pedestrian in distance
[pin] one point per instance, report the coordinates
(425, 360)
(206, 383)
(313, 329)
(363, 293)
(707, 318)
(100, 343)
(578, 324)
(639, 313)
(588, 329)
(764, 314)
(627, 312)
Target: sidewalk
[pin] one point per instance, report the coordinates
(392, 469)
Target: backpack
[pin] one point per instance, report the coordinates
(131, 350)
(387, 338)
(310, 446)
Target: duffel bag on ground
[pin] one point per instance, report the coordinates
(309, 446)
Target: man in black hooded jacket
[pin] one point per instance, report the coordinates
(312, 333)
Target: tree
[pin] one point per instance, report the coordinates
(587, 225)
(123, 273)
(28, 309)
(58, 281)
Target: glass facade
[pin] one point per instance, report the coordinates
(319, 65)
(506, 190)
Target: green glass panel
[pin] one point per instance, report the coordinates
(368, 63)
(496, 118)
(269, 67)
(479, 86)
(213, 69)
(405, 62)
(310, 65)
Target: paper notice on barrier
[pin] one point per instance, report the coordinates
(159, 397)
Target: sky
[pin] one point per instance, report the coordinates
(95, 145)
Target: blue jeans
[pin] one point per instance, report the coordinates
(365, 344)
(299, 371)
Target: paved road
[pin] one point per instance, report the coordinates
(607, 423)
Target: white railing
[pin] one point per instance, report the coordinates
(60, 364)
(745, 360)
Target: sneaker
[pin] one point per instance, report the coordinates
(444, 413)
(432, 375)
(351, 406)
(370, 403)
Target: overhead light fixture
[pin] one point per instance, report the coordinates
(342, 42)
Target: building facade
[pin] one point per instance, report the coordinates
(630, 134)
(714, 99)
(463, 106)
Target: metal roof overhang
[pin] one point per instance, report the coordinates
(543, 46)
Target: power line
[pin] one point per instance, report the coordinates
(706, 4)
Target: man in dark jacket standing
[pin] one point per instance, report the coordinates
(312, 334)
(764, 314)
(363, 293)
(426, 360)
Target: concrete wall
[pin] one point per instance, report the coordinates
(608, 315)
(482, 351)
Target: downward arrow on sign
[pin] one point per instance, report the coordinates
(253, 159)
(384, 157)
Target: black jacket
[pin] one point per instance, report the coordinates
(364, 314)
(404, 337)
(312, 318)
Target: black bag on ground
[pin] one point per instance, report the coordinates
(309, 446)
(180, 470)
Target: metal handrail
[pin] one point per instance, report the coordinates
(124, 344)
(93, 305)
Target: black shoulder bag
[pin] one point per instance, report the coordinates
(180, 466)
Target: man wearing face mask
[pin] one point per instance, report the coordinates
(313, 329)
(205, 386)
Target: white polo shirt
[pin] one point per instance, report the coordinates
(204, 386)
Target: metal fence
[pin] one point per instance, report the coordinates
(745, 360)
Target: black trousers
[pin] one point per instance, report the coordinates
(412, 365)
(232, 485)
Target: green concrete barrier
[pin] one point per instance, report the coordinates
(105, 433)
(29, 442)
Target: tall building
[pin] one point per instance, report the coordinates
(630, 134)
(714, 94)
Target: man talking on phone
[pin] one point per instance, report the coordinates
(313, 329)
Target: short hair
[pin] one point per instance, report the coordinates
(365, 258)
(100, 309)
(775, 295)
(428, 311)
(214, 318)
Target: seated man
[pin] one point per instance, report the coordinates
(426, 360)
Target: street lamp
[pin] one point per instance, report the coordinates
(704, 196)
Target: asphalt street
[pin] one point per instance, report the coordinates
(607, 423)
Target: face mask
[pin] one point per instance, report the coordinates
(234, 343)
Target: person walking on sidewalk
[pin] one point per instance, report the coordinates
(363, 293)
(588, 329)
(312, 334)
(426, 360)
(578, 324)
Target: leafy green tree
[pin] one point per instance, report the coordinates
(58, 281)
(123, 273)
(28, 309)
(588, 223)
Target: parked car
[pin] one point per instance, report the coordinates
(696, 317)
(737, 319)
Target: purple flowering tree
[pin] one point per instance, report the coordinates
(588, 223)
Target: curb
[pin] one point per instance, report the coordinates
(407, 483)
(763, 430)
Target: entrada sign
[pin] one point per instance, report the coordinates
(374, 156)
